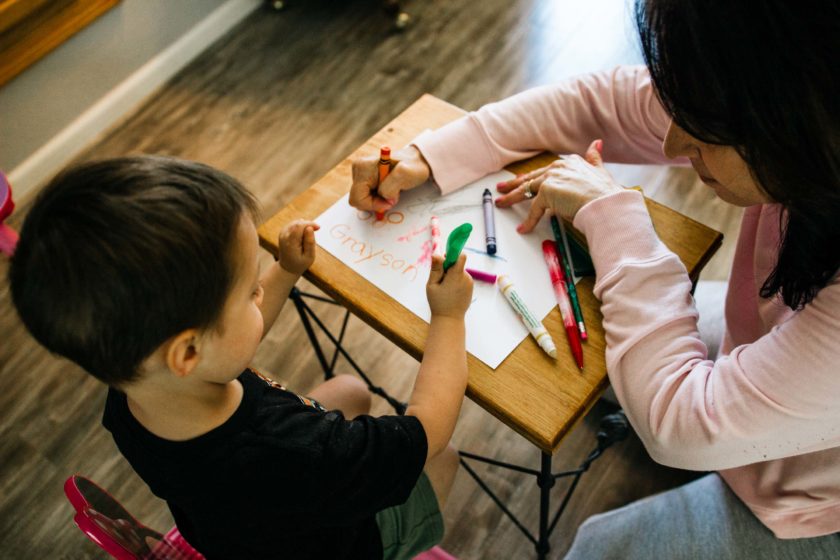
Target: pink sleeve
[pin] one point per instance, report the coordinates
(618, 106)
(774, 398)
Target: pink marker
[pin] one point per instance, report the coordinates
(482, 276)
(561, 293)
(434, 226)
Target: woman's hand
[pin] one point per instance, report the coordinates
(408, 170)
(563, 187)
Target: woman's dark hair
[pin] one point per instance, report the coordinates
(762, 78)
(117, 256)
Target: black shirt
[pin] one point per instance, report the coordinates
(281, 478)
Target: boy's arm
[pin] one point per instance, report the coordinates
(277, 284)
(442, 379)
(296, 254)
(441, 382)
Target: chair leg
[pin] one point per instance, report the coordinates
(392, 8)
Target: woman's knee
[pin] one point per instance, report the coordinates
(597, 537)
(596, 527)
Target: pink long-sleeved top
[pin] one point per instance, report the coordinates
(766, 413)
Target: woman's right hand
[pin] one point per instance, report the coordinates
(408, 170)
(449, 293)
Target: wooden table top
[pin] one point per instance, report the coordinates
(540, 398)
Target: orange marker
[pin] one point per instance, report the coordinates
(384, 169)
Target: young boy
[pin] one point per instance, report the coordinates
(144, 271)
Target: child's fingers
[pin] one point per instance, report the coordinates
(309, 240)
(436, 272)
(457, 269)
(300, 225)
(456, 277)
(289, 233)
(295, 231)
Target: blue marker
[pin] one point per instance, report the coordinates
(489, 222)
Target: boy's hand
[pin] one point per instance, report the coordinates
(297, 246)
(449, 294)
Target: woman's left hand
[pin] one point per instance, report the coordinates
(563, 187)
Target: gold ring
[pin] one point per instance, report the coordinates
(528, 192)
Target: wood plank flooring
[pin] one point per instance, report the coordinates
(276, 103)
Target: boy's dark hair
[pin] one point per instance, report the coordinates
(117, 256)
(762, 78)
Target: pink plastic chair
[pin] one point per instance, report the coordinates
(118, 533)
(436, 553)
(8, 236)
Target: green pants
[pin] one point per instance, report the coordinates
(415, 526)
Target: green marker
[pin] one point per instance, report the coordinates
(562, 245)
(455, 243)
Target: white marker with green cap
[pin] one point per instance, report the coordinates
(535, 327)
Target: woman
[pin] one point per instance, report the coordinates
(748, 94)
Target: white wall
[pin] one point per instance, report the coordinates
(49, 96)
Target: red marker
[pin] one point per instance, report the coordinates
(558, 280)
(384, 169)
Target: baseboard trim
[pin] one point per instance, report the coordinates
(38, 168)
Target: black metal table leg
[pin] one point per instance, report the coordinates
(613, 428)
(310, 332)
(306, 314)
(545, 481)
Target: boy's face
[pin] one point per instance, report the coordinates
(229, 350)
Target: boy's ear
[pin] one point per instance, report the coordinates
(181, 352)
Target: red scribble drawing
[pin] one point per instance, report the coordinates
(430, 245)
(426, 251)
(434, 223)
(413, 233)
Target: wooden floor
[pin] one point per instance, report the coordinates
(276, 103)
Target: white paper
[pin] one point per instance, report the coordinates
(394, 254)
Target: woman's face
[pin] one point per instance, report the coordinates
(719, 167)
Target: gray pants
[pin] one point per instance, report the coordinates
(700, 520)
